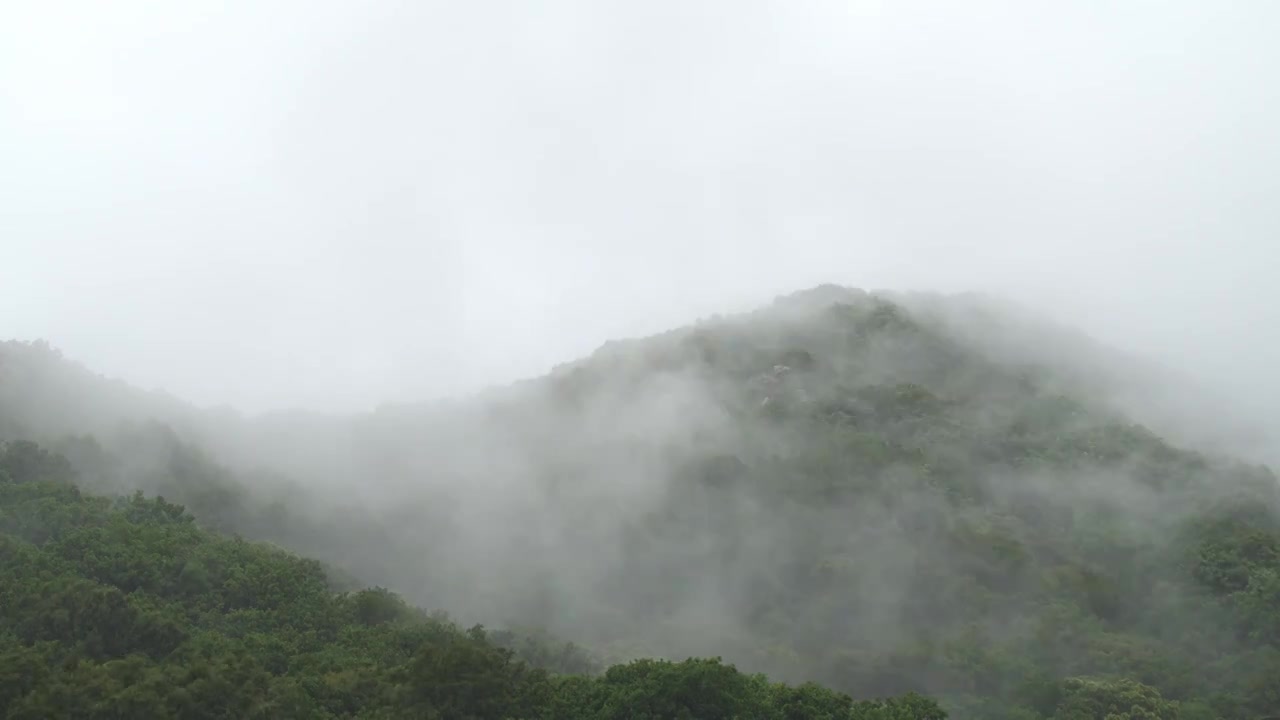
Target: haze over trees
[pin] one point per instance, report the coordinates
(892, 496)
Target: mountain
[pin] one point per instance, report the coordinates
(881, 492)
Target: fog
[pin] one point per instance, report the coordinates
(335, 205)
(357, 208)
(434, 227)
(830, 488)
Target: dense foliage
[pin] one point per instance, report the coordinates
(835, 489)
(127, 609)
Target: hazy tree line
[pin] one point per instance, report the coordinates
(126, 608)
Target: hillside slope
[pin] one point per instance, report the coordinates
(839, 487)
(126, 609)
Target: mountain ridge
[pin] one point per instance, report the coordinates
(840, 487)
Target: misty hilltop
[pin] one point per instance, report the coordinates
(882, 492)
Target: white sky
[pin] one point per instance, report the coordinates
(331, 204)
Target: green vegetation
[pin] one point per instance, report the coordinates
(833, 490)
(127, 609)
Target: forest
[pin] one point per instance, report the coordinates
(842, 505)
(126, 608)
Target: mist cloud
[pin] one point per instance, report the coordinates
(333, 205)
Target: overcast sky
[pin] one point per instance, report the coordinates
(331, 204)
